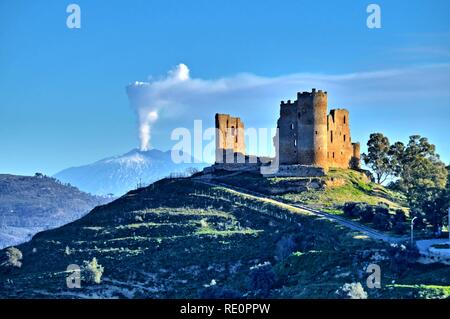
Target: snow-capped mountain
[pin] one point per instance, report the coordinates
(120, 174)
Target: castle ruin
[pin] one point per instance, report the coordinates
(310, 136)
(230, 138)
(307, 137)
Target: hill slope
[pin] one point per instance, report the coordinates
(120, 174)
(29, 204)
(179, 238)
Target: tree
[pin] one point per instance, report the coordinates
(419, 165)
(377, 157)
(395, 153)
(423, 178)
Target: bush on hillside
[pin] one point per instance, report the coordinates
(366, 216)
(382, 221)
(399, 216)
(352, 291)
(13, 258)
(262, 277)
(93, 271)
(285, 247)
(401, 257)
(360, 208)
(348, 209)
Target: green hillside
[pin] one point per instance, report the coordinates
(339, 186)
(180, 238)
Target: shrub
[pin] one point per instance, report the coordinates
(352, 291)
(360, 208)
(382, 209)
(366, 216)
(13, 258)
(348, 209)
(93, 271)
(382, 220)
(262, 277)
(401, 257)
(400, 216)
(285, 247)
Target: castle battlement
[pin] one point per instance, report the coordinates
(313, 93)
(287, 103)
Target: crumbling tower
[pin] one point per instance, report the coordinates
(230, 138)
(308, 136)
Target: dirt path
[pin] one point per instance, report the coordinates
(372, 233)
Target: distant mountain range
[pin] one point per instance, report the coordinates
(29, 204)
(120, 174)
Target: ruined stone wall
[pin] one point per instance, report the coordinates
(230, 137)
(287, 124)
(340, 148)
(356, 159)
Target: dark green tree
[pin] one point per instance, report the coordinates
(422, 177)
(378, 157)
(418, 165)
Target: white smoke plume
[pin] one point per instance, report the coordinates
(182, 98)
(146, 101)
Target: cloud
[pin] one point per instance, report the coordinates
(180, 97)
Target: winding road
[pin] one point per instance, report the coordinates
(370, 232)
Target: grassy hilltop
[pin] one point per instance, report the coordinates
(179, 238)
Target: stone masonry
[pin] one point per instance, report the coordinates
(307, 137)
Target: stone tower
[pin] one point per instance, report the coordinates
(312, 128)
(308, 136)
(230, 138)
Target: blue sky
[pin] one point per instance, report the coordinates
(62, 91)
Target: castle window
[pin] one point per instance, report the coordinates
(331, 137)
(316, 132)
(344, 137)
(295, 142)
(292, 126)
(333, 154)
(345, 119)
(233, 131)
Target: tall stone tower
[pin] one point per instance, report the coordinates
(302, 130)
(230, 138)
(312, 128)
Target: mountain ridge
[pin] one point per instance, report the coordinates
(29, 204)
